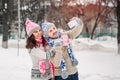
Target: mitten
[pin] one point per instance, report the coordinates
(48, 71)
(50, 53)
(75, 62)
(42, 66)
(64, 74)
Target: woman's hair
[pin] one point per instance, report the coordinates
(31, 42)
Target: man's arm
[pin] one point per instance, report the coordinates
(76, 30)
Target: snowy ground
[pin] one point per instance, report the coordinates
(98, 60)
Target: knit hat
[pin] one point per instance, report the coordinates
(45, 27)
(31, 27)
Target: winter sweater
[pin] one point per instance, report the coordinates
(36, 54)
(39, 64)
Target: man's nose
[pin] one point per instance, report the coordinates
(54, 31)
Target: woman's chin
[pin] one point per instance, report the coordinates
(38, 37)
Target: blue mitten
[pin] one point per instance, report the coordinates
(64, 74)
(75, 62)
(50, 53)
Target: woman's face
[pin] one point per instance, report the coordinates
(37, 34)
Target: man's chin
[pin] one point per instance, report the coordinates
(55, 37)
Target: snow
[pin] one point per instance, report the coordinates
(98, 60)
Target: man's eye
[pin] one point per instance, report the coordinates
(50, 31)
(53, 28)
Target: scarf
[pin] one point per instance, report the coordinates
(39, 43)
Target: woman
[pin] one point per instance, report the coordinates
(36, 46)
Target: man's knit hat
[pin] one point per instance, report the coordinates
(31, 27)
(46, 26)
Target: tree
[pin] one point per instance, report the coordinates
(7, 13)
(96, 15)
(32, 9)
(102, 14)
(60, 15)
(118, 19)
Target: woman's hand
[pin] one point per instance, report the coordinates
(50, 53)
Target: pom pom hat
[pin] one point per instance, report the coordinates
(45, 27)
(31, 27)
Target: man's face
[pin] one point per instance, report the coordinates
(52, 32)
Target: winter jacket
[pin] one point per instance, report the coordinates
(61, 51)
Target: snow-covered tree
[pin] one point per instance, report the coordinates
(7, 19)
(118, 18)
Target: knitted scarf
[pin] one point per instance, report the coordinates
(40, 44)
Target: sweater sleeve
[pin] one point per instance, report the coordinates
(58, 57)
(75, 31)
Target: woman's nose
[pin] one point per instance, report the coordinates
(39, 32)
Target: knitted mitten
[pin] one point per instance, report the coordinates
(50, 53)
(64, 73)
(72, 57)
(75, 62)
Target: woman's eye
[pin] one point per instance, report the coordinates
(40, 30)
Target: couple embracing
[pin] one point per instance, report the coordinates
(51, 51)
